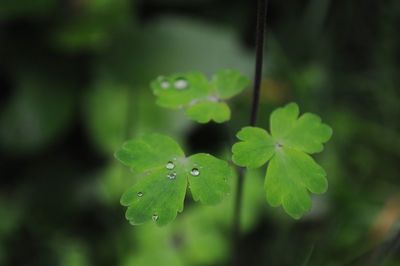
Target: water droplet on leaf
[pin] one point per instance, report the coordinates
(181, 84)
(140, 194)
(165, 85)
(171, 175)
(195, 172)
(170, 165)
(154, 217)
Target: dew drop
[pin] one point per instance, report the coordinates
(181, 84)
(170, 165)
(154, 217)
(140, 194)
(171, 175)
(195, 172)
(165, 85)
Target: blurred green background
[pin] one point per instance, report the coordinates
(74, 78)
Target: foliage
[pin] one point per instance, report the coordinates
(291, 171)
(159, 195)
(28, 111)
(67, 72)
(203, 100)
(107, 122)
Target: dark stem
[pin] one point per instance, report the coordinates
(260, 30)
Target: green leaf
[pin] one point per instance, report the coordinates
(203, 100)
(106, 108)
(291, 174)
(166, 173)
(205, 111)
(180, 89)
(306, 133)
(256, 147)
(155, 197)
(208, 178)
(149, 152)
(229, 82)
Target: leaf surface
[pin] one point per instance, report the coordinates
(203, 100)
(229, 82)
(292, 174)
(206, 111)
(165, 174)
(208, 178)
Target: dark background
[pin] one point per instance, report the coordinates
(74, 78)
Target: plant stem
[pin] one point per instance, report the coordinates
(260, 31)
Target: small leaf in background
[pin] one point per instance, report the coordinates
(71, 252)
(105, 109)
(291, 172)
(205, 111)
(11, 9)
(112, 182)
(93, 25)
(154, 246)
(228, 83)
(10, 213)
(160, 192)
(36, 115)
(203, 100)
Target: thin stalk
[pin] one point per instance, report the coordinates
(260, 32)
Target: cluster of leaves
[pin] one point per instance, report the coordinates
(291, 175)
(361, 166)
(291, 171)
(198, 237)
(203, 100)
(159, 195)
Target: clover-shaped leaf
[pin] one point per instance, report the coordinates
(291, 172)
(160, 192)
(203, 100)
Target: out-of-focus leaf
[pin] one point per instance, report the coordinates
(113, 181)
(203, 100)
(106, 109)
(93, 24)
(72, 253)
(36, 114)
(204, 112)
(11, 9)
(155, 245)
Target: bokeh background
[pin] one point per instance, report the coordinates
(74, 84)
